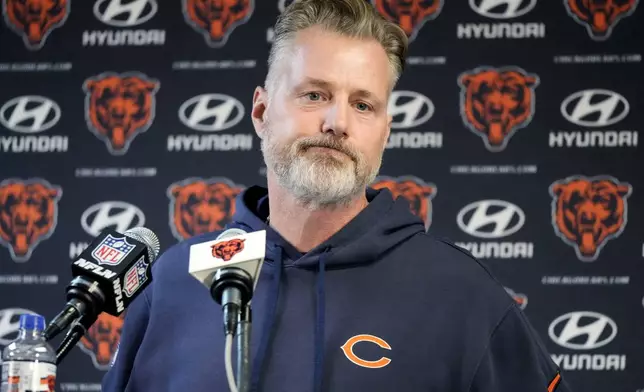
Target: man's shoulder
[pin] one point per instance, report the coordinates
(444, 252)
(447, 264)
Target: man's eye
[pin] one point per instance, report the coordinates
(314, 96)
(363, 107)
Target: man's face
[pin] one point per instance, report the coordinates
(326, 124)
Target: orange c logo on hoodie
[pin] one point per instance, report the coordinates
(347, 349)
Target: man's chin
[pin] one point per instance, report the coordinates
(328, 177)
(327, 162)
(318, 196)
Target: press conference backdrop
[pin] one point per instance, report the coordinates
(515, 134)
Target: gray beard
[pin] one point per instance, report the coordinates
(318, 181)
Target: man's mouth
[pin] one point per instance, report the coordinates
(328, 150)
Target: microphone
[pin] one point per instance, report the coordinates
(229, 268)
(108, 275)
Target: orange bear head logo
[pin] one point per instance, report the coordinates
(34, 20)
(410, 15)
(28, 215)
(495, 103)
(418, 193)
(587, 212)
(217, 19)
(102, 339)
(225, 250)
(600, 16)
(199, 206)
(118, 107)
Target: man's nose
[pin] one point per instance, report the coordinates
(336, 120)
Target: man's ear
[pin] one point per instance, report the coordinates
(258, 112)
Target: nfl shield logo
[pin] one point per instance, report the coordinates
(112, 250)
(135, 277)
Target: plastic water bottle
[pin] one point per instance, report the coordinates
(29, 362)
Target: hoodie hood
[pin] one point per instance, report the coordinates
(382, 225)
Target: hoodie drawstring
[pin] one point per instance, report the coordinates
(267, 329)
(318, 371)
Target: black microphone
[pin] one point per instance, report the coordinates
(108, 275)
(229, 267)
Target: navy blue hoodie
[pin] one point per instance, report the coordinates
(380, 306)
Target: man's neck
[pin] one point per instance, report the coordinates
(305, 228)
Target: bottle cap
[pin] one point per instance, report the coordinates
(32, 321)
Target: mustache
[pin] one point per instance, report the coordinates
(332, 143)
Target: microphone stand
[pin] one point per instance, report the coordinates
(243, 349)
(75, 333)
(232, 288)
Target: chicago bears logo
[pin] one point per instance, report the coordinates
(28, 215)
(217, 19)
(410, 15)
(588, 212)
(34, 20)
(599, 16)
(119, 107)
(200, 206)
(418, 193)
(496, 102)
(227, 249)
(348, 350)
(102, 339)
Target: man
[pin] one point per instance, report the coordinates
(353, 294)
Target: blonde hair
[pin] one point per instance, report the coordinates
(350, 18)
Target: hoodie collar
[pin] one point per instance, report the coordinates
(382, 224)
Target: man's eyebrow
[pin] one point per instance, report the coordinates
(314, 82)
(327, 85)
(368, 95)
